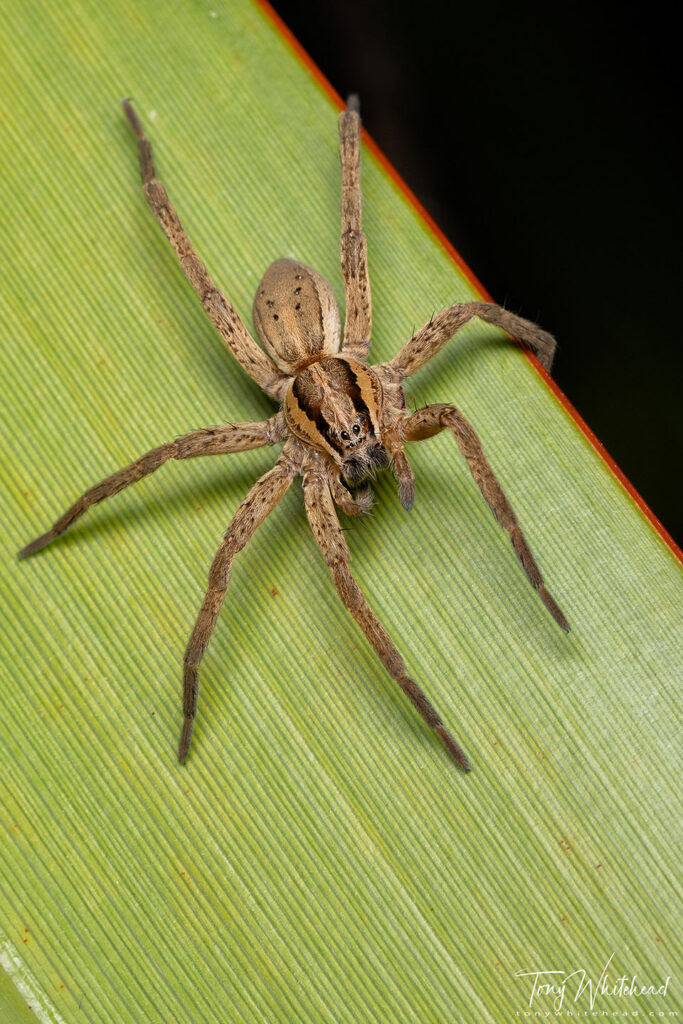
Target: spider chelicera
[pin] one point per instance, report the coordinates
(340, 420)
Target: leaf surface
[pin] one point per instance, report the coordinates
(319, 858)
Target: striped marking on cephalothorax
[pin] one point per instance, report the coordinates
(331, 395)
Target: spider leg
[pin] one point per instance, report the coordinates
(223, 440)
(331, 541)
(220, 311)
(354, 250)
(259, 502)
(435, 418)
(433, 335)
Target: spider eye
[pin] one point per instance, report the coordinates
(345, 435)
(356, 428)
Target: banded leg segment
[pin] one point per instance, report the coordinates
(223, 440)
(220, 311)
(433, 335)
(259, 502)
(354, 250)
(331, 541)
(435, 418)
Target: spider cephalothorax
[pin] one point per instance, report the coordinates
(340, 419)
(335, 406)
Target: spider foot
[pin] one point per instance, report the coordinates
(553, 608)
(406, 494)
(453, 748)
(36, 545)
(185, 740)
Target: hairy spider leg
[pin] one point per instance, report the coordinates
(433, 335)
(354, 249)
(432, 420)
(259, 502)
(220, 311)
(223, 440)
(332, 543)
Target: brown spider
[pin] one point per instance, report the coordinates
(340, 419)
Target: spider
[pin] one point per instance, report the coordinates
(340, 419)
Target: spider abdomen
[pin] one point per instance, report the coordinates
(296, 315)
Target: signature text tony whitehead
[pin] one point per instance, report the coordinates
(561, 986)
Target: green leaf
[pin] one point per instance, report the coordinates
(319, 858)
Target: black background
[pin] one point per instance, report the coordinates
(544, 140)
